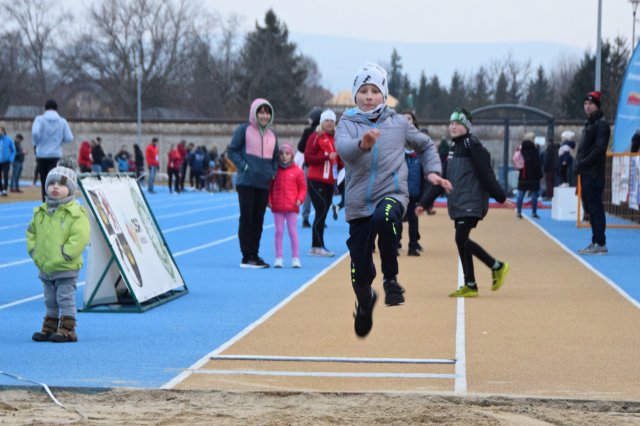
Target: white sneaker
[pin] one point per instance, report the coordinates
(279, 263)
(295, 263)
(322, 252)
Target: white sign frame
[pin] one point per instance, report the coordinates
(130, 266)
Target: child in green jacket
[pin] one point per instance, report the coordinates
(56, 238)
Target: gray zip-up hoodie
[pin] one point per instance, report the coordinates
(49, 132)
(382, 171)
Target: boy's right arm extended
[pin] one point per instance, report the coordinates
(346, 144)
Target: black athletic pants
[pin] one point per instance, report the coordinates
(321, 195)
(253, 205)
(44, 166)
(467, 248)
(362, 237)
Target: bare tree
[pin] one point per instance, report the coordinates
(13, 71)
(226, 64)
(561, 75)
(131, 39)
(517, 75)
(40, 25)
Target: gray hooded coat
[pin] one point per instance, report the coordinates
(382, 171)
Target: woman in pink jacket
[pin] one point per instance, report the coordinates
(287, 193)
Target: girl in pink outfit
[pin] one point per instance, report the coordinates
(287, 193)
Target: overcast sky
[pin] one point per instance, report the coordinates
(571, 22)
(570, 25)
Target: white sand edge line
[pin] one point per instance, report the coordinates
(588, 266)
(202, 361)
(278, 358)
(460, 383)
(323, 374)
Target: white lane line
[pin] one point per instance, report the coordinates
(460, 386)
(623, 293)
(19, 240)
(16, 263)
(202, 361)
(29, 299)
(324, 374)
(25, 225)
(195, 224)
(177, 254)
(172, 203)
(167, 231)
(203, 209)
(212, 243)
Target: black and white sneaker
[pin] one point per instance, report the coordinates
(364, 319)
(253, 263)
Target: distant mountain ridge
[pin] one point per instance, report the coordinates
(338, 58)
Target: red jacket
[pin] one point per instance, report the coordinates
(316, 155)
(183, 151)
(84, 156)
(175, 160)
(151, 155)
(288, 186)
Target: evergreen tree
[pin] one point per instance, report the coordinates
(271, 68)
(406, 95)
(539, 91)
(480, 92)
(437, 99)
(395, 74)
(513, 95)
(501, 93)
(422, 98)
(457, 93)
(614, 62)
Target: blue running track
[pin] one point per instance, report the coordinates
(149, 349)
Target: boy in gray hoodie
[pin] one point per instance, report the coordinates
(370, 139)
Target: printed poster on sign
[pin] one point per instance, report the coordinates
(131, 231)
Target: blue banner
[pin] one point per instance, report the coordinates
(628, 119)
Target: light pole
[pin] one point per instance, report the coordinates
(599, 48)
(139, 90)
(634, 5)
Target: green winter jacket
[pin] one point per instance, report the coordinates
(56, 242)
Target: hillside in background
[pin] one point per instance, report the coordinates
(339, 58)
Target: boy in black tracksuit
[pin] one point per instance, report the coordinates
(469, 171)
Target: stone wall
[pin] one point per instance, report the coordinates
(115, 133)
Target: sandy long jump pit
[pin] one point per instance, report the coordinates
(555, 329)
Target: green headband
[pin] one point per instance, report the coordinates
(460, 117)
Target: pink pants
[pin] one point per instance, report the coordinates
(292, 220)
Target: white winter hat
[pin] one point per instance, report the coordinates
(371, 74)
(567, 135)
(64, 176)
(327, 115)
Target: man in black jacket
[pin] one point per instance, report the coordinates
(590, 166)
